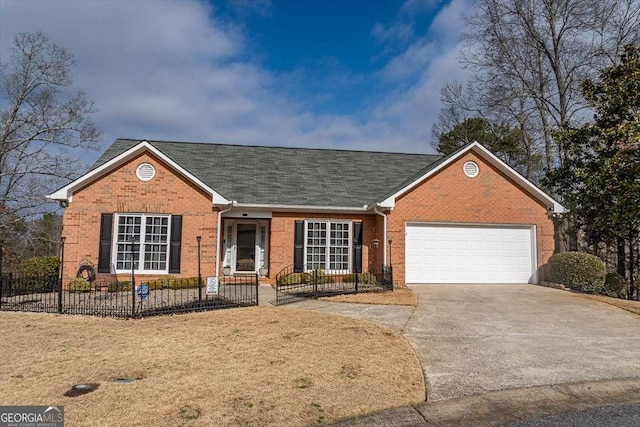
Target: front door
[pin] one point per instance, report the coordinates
(246, 247)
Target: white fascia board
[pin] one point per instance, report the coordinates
(389, 202)
(65, 193)
(298, 208)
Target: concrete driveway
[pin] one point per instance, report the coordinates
(472, 339)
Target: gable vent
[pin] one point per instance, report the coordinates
(145, 172)
(471, 169)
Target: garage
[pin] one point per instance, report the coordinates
(445, 253)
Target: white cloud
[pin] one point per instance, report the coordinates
(393, 32)
(412, 7)
(177, 71)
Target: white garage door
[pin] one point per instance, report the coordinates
(468, 254)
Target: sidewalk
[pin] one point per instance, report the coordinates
(505, 406)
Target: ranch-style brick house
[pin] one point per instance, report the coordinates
(462, 218)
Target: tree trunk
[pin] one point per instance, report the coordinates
(622, 257)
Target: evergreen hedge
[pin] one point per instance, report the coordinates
(578, 271)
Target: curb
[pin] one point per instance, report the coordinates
(505, 406)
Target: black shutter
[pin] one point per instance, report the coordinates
(357, 247)
(298, 247)
(104, 250)
(175, 245)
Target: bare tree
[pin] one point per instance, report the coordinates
(530, 56)
(42, 124)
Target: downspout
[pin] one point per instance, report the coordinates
(384, 233)
(219, 236)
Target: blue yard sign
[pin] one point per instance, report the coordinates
(142, 291)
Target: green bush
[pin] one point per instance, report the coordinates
(172, 282)
(43, 267)
(295, 279)
(615, 285)
(79, 285)
(323, 277)
(578, 271)
(304, 278)
(163, 282)
(122, 286)
(185, 283)
(365, 278)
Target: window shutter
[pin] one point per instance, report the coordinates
(298, 247)
(175, 245)
(357, 247)
(104, 250)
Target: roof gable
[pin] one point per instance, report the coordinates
(432, 169)
(66, 192)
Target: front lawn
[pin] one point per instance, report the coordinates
(629, 305)
(250, 366)
(400, 296)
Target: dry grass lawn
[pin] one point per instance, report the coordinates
(401, 296)
(255, 366)
(631, 306)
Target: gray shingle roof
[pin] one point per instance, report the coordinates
(290, 176)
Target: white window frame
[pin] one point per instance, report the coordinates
(141, 242)
(327, 261)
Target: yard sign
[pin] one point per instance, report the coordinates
(212, 286)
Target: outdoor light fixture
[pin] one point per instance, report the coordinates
(376, 243)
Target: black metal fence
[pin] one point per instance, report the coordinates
(122, 299)
(293, 285)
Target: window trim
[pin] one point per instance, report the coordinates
(328, 222)
(114, 242)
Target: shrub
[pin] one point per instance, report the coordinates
(119, 286)
(295, 279)
(163, 282)
(323, 277)
(43, 267)
(615, 285)
(185, 283)
(365, 278)
(79, 285)
(172, 282)
(578, 271)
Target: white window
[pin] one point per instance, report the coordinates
(328, 245)
(149, 235)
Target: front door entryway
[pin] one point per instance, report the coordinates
(246, 247)
(245, 244)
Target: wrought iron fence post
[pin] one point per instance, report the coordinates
(133, 278)
(257, 289)
(60, 279)
(357, 277)
(199, 238)
(315, 284)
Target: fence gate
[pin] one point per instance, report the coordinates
(295, 283)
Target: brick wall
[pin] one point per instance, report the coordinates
(282, 232)
(121, 191)
(451, 196)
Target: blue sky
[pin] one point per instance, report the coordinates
(350, 74)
